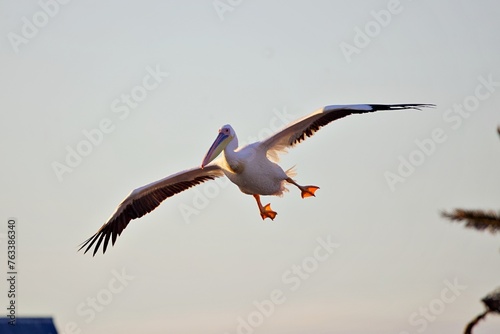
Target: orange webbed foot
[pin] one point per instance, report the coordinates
(267, 212)
(308, 191)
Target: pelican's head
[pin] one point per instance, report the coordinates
(226, 134)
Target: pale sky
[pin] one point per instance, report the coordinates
(158, 79)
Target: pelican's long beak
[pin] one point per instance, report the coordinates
(217, 147)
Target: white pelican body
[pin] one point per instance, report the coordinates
(253, 168)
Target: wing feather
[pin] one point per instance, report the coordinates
(307, 126)
(144, 200)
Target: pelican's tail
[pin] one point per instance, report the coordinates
(291, 172)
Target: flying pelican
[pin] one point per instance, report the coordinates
(252, 168)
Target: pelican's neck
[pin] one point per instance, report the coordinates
(231, 155)
(231, 146)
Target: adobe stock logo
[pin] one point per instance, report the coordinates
(224, 6)
(372, 29)
(100, 301)
(292, 278)
(453, 118)
(31, 27)
(421, 319)
(122, 106)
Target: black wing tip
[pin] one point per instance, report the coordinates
(99, 236)
(85, 243)
(416, 106)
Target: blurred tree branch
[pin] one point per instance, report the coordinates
(479, 220)
(492, 304)
(492, 301)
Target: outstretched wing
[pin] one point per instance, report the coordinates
(307, 126)
(145, 199)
